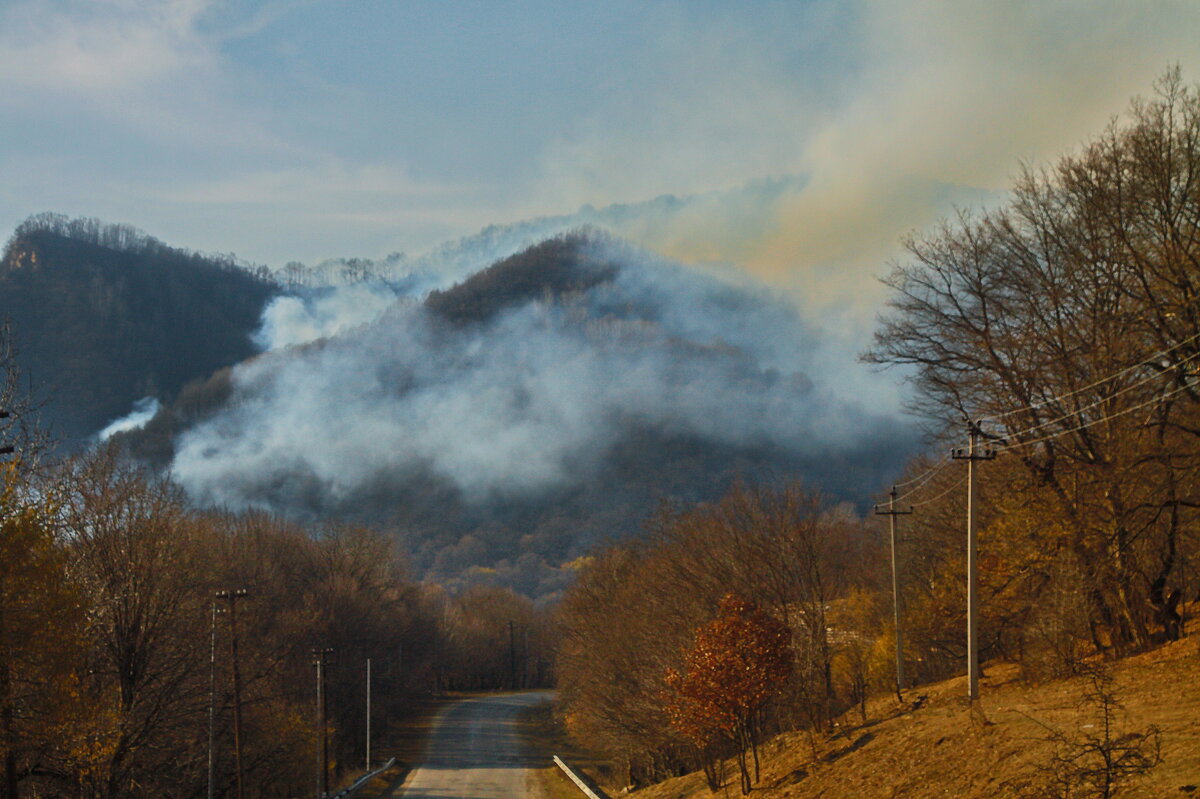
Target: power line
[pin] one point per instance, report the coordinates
(925, 476)
(922, 479)
(931, 500)
(1099, 402)
(1110, 417)
(1147, 361)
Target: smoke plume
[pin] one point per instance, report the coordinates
(518, 395)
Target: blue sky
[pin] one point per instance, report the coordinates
(305, 129)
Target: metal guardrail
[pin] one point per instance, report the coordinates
(348, 793)
(584, 784)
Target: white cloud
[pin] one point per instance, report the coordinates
(889, 109)
(331, 181)
(105, 46)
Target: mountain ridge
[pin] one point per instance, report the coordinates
(98, 328)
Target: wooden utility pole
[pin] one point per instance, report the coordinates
(232, 597)
(320, 660)
(892, 513)
(970, 455)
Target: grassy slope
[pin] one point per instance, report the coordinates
(545, 735)
(944, 749)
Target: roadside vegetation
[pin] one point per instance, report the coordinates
(130, 622)
(1063, 326)
(1010, 746)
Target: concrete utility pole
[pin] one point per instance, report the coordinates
(232, 596)
(512, 655)
(8, 735)
(892, 513)
(212, 697)
(971, 454)
(320, 660)
(368, 714)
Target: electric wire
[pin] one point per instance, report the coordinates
(956, 485)
(1012, 448)
(1098, 402)
(925, 476)
(1145, 362)
(1024, 444)
(920, 480)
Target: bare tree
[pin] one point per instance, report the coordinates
(1064, 319)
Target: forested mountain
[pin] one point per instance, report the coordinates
(554, 268)
(503, 426)
(499, 427)
(104, 315)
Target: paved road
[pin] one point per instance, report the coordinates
(475, 753)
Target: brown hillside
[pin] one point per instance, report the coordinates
(943, 749)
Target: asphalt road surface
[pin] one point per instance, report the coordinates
(474, 751)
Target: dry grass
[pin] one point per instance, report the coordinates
(405, 740)
(385, 784)
(945, 748)
(544, 734)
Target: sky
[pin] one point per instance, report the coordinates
(803, 139)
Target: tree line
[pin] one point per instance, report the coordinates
(115, 645)
(646, 614)
(123, 239)
(106, 315)
(1064, 326)
(1067, 323)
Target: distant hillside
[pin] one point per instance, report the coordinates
(558, 266)
(503, 426)
(104, 315)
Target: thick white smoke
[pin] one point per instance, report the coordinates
(526, 401)
(294, 319)
(143, 411)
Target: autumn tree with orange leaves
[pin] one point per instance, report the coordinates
(739, 660)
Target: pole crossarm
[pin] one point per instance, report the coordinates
(973, 452)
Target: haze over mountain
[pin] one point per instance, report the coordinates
(501, 424)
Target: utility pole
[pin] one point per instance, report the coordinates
(368, 714)
(320, 659)
(892, 513)
(970, 455)
(512, 655)
(8, 736)
(232, 596)
(8, 733)
(212, 696)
